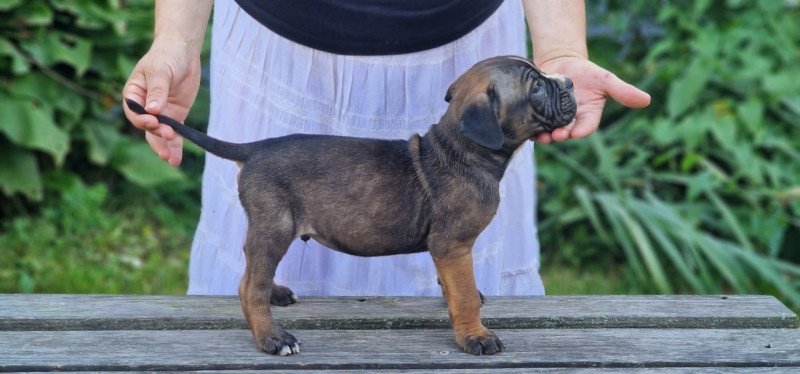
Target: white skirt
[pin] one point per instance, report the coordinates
(263, 85)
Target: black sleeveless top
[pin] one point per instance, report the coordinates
(371, 27)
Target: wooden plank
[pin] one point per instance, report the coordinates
(683, 370)
(671, 370)
(398, 349)
(112, 312)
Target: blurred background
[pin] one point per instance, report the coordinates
(697, 194)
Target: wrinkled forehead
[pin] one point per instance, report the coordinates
(505, 71)
(502, 62)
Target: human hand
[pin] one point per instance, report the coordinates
(593, 85)
(165, 81)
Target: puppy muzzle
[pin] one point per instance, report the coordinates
(564, 105)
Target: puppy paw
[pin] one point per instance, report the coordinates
(282, 296)
(280, 343)
(485, 344)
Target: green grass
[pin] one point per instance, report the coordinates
(89, 243)
(566, 280)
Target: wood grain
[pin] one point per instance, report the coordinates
(579, 370)
(111, 312)
(399, 349)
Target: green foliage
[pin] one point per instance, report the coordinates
(559, 279)
(85, 243)
(699, 192)
(62, 65)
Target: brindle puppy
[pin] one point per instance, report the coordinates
(371, 197)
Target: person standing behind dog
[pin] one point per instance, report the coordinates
(355, 68)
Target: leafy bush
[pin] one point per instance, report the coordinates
(88, 242)
(701, 191)
(63, 64)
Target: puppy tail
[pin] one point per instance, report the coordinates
(231, 151)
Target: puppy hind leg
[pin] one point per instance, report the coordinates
(265, 246)
(282, 295)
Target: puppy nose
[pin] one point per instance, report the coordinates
(568, 83)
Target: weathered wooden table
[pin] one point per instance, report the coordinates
(388, 335)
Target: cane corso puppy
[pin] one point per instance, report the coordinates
(367, 197)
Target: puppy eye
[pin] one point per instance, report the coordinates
(537, 88)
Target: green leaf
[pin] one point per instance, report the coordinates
(754, 65)
(35, 13)
(660, 230)
(35, 87)
(102, 139)
(684, 92)
(71, 109)
(606, 163)
(137, 162)
(781, 83)
(50, 47)
(93, 14)
(689, 160)
(699, 183)
(700, 7)
(19, 65)
(724, 130)
(751, 115)
(792, 103)
(6, 5)
(693, 128)
(747, 162)
(730, 219)
(663, 131)
(19, 173)
(594, 218)
(32, 126)
(646, 250)
(125, 64)
(42, 89)
(60, 180)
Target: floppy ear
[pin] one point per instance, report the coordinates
(449, 95)
(479, 123)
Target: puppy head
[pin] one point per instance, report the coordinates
(507, 99)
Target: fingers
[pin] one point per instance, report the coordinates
(561, 134)
(136, 89)
(175, 151)
(625, 93)
(586, 123)
(157, 91)
(151, 87)
(544, 138)
(150, 124)
(167, 150)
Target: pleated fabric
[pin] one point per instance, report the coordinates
(263, 85)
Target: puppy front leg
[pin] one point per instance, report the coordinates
(464, 304)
